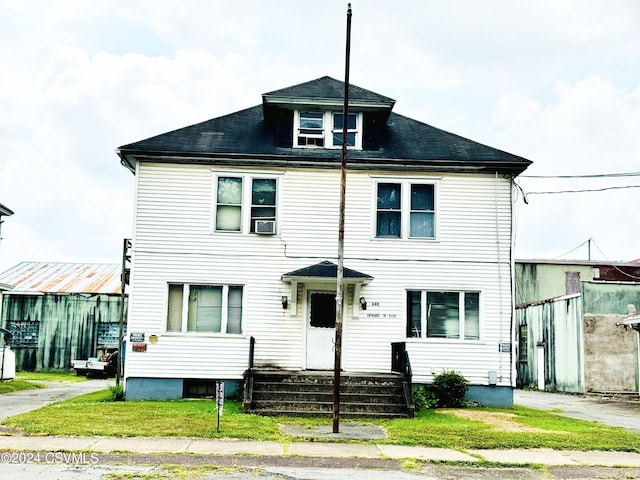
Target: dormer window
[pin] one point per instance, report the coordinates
(311, 129)
(324, 129)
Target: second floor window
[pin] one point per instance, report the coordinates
(260, 198)
(405, 210)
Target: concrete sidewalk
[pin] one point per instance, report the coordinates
(218, 447)
(319, 446)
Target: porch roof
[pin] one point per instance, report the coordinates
(325, 271)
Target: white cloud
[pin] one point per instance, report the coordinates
(553, 81)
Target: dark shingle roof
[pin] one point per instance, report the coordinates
(245, 138)
(327, 270)
(327, 88)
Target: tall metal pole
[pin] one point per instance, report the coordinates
(340, 271)
(126, 245)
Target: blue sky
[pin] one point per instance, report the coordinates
(555, 81)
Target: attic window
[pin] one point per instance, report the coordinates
(311, 129)
(324, 130)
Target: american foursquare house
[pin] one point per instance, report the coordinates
(235, 248)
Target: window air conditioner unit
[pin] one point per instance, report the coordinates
(265, 227)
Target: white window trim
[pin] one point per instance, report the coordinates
(405, 207)
(327, 122)
(461, 302)
(186, 288)
(245, 206)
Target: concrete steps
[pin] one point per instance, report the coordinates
(310, 393)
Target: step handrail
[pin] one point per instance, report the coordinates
(401, 363)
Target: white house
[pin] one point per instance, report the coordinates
(236, 233)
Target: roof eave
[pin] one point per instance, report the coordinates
(129, 157)
(126, 162)
(328, 102)
(312, 279)
(5, 211)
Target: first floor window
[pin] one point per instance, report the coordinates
(204, 308)
(451, 315)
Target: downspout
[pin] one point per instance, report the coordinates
(512, 269)
(500, 282)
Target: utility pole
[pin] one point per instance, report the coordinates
(340, 270)
(124, 281)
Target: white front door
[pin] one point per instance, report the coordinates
(321, 330)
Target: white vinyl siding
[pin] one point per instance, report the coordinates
(173, 243)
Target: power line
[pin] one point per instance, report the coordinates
(583, 190)
(572, 250)
(614, 266)
(597, 175)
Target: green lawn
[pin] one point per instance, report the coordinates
(16, 385)
(96, 414)
(50, 376)
(29, 380)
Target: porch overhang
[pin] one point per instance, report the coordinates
(324, 272)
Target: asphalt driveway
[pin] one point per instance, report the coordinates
(26, 400)
(615, 410)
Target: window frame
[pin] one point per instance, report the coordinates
(523, 343)
(184, 309)
(405, 208)
(247, 227)
(462, 324)
(328, 129)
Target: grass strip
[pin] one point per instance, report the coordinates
(15, 385)
(97, 414)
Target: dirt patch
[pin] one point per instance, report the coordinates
(350, 430)
(502, 421)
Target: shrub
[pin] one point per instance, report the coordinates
(423, 398)
(117, 393)
(450, 389)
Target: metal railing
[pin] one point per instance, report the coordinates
(400, 363)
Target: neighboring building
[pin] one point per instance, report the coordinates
(236, 232)
(4, 212)
(58, 312)
(569, 325)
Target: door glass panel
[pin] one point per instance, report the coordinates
(323, 310)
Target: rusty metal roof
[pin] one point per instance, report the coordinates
(55, 277)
